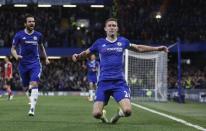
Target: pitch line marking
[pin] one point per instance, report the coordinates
(171, 117)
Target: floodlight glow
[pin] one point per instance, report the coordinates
(44, 5)
(97, 6)
(70, 6)
(20, 5)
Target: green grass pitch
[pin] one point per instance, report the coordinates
(73, 113)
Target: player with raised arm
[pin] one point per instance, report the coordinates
(111, 80)
(28, 41)
(92, 68)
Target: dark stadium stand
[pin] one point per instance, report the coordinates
(137, 21)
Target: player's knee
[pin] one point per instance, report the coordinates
(97, 115)
(127, 112)
(34, 84)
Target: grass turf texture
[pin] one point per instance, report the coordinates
(63, 113)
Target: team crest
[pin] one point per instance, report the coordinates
(35, 38)
(119, 43)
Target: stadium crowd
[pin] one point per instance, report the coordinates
(136, 20)
(178, 19)
(65, 75)
(59, 75)
(193, 77)
(58, 25)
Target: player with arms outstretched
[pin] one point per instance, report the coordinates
(28, 41)
(111, 80)
(92, 69)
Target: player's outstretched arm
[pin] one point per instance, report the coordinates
(76, 57)
(144, 48)
(14, 53)
(44, 54)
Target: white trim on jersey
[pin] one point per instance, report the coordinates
(111, 41)
(28, 32)
(39, 75)
(38, 51)
(98, 72)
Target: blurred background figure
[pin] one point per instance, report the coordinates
(7, 77)
(92, 66)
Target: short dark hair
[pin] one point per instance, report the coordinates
(27, 16)
(111, 19)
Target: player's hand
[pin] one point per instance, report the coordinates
(47, 61)
(18, 57)
(75, 57)
(163, 48)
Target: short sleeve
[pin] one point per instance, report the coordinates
(16, 40)
(94, 47)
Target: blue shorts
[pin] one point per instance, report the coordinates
(116, 88)
(30, 73)
(92, 78)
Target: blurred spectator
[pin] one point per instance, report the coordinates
(193, 77)
(64, 75)
(179, 18)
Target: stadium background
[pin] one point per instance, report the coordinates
(69, 30)
(137, 20)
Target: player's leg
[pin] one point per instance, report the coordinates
(99, 112)
(125, 110)
(122, 96)
(27, 92)
(8, 89)
(91, 80)
(33, 86)
(102, 98)
(91, 91)
(25, 78)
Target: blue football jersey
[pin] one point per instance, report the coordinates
(111, 57)
(27, 45)
(92, 69)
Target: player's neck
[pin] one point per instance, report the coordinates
(92, 60)
(111, 38)
(29, 32)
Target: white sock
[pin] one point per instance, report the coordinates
(91, 93)
(121, 113)
(34, 97)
